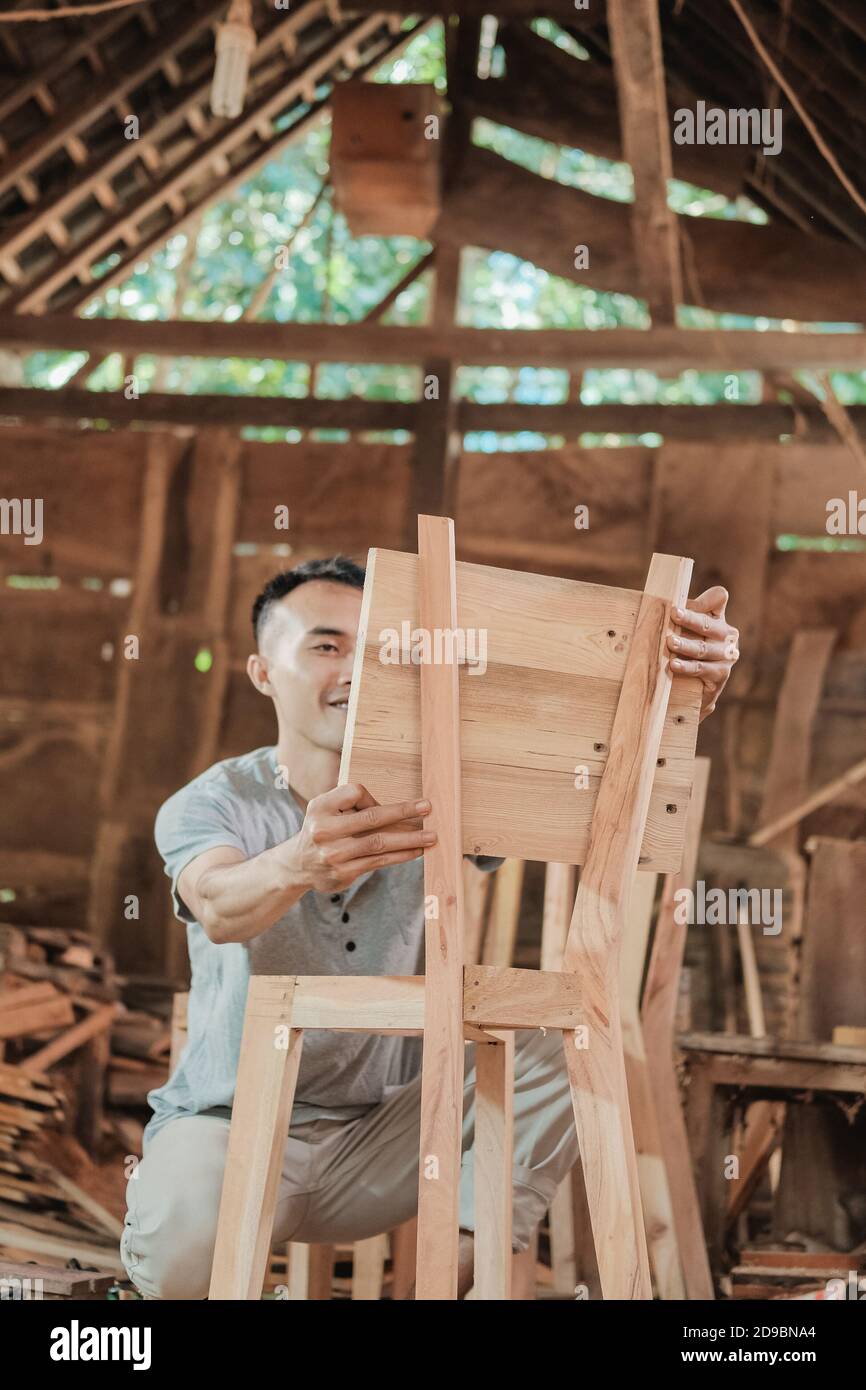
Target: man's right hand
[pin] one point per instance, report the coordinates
(346, 833)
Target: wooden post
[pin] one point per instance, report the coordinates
(596, 1064)
(264, 1091)
(442, 1062)
(636, 46)
(654, 1189)
(494, 1136)
(658, 1016)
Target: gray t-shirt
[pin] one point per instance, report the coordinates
(374, 927)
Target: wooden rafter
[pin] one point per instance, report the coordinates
(278, 96)
(172, 40)
(570, 419)
(636, 43)
(192, 98)
(666, 350)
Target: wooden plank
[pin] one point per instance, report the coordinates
(568, 418)
(834, 944)
(499, 997)
(476, 892)
(787, 779)
(36, 1018)
(658, 1017)
(368, 1269)
(535, 724)
(743, 483)
(501, 936)
(436, 448)
(442, 1060)
(829, 792)
(15, 1237)
(636, 48)
(747, 1049)
(597, 1071)
(99, 1021)
(264, 1091)
(494, 1144)
(652, 1174)
(66, 1283)
(559, 893)
(357, 1003)
(665, 350)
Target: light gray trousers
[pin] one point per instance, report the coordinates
(341, 1180)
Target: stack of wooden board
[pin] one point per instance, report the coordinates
(75, 1068)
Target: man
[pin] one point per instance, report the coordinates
(276, 870)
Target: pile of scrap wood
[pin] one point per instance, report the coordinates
(797, 1273)
(76, 1063)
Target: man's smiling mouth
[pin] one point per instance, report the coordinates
(340, 704)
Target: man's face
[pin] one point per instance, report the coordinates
(307, 650)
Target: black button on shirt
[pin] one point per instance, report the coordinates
(350, 945)
(345, 916)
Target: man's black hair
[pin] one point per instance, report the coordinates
(339, 569)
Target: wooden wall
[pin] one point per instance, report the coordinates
(91, 743)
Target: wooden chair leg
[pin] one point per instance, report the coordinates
(368, 1269)
(524, 1265)
(442, 1058)
(264, 1092)
(652, 1174)
(595, 1062)
(494, 1148)
(599, 1095)
(309, 1272)
(404, 1242)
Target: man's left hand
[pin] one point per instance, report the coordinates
(708, 646)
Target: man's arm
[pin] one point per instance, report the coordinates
(345, 833)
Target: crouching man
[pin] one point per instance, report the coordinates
(277, 871)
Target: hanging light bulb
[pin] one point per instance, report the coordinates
(235, 42)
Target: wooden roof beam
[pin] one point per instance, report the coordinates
(569, 419)
(562, 10)
(636, 44)
(667, 351)
(741, 267)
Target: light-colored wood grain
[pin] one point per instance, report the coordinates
(309, 1272)
(368, 1269)
(559, 890)
(476, 894)
(442, 1060)
(542, 710)
(652, 1175)
(658, 1018)
(264, 1092)
(404, 1239)
(499, 997)
(494, 1145)
(597, 1068)
(501, 936)
(360, 1003)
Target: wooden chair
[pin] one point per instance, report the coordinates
(575, 697)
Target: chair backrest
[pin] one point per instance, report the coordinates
(541, 665)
